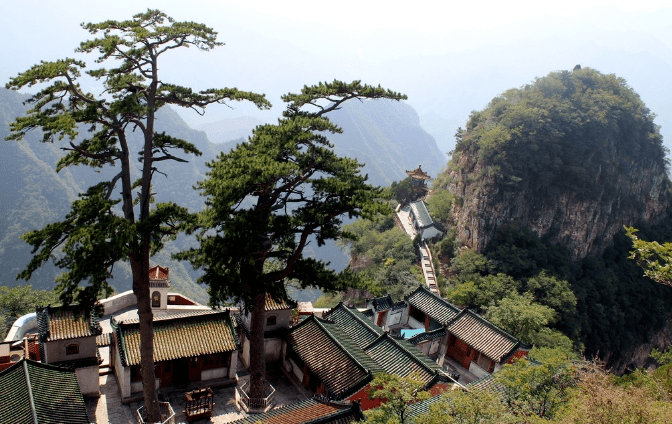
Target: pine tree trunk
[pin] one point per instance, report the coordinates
(140, 268)
(257, 349)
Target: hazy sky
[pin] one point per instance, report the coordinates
(276, 46)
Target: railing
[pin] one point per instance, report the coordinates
(254, 405)
(159, 284)
(166, 411)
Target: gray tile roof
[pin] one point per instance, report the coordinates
(483, 336)
(432, 305)
(382, 303)
(355, 324)
(419, 210)
(32, 392)
(422, 407)
(427, 335)
(399, 357)
(332, 355)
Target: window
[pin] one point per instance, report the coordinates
(72, 349)
(271, 320)
(167, 366)
(194, 362)
(156, 299)
(418, 315)
(136, 375)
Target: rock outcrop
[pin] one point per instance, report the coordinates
(573, 157)
(584, 224)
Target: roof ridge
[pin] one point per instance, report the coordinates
(427, 290)
(491, 325)
(363, 321)
(406, 351)
(413, 340)
(338, 343)
(199, 313)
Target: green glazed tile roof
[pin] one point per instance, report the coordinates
(307, 412)
(428, 335)
(422, 407)
(179, 336)
(54, 392)
(332, 355)
(401, 358)
(382, 303)
(483, 336)
(432, 305)
(355, 324)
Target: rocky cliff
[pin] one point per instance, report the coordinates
(572, 157)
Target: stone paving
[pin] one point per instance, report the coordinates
(109, 409)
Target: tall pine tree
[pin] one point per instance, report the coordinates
(268, 197)
(95, 235)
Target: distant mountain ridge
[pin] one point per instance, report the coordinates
(385, 136)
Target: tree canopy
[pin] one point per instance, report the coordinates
(104, 227)
(270, 197)
(558, 130)
(654, 258)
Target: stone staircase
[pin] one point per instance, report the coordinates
(428, 269)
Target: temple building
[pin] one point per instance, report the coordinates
(454, 338)
(337, 357)
(68, 340)
(197, 346)
(419, 181)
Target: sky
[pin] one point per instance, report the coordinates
(449, 58)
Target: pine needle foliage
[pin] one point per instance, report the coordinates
(95, 234)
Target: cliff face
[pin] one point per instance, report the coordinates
(639, 356)
(573, 157)
(625, 192)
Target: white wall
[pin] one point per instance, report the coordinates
(413, 323)
(55, 351)
(88, 380)
(273, 348)
(22, 326)
(214, 373)
(477, 371)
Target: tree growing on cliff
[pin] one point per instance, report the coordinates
(96, 234)
(267, 197)
(654, 258)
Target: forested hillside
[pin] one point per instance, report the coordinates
(534, 202)
(33, 194)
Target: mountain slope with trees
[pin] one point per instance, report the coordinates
(544, 179)
(34, 194)
(573, 156)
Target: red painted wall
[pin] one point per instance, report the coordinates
(363, 396)
(517, 355)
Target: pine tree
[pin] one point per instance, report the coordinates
(268, 197)
(95, 235)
